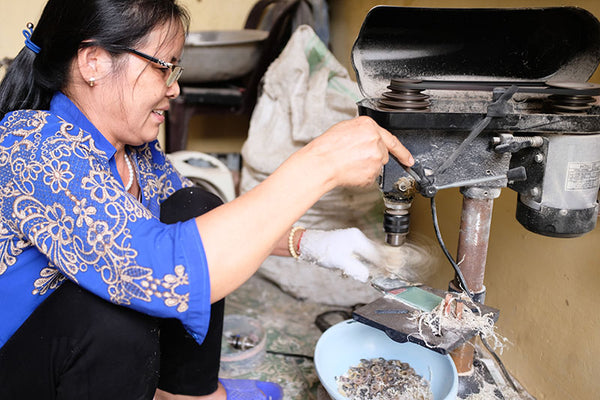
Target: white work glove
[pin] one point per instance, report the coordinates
(346, 249)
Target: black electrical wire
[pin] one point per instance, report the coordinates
(280, 353)
(500, 363)
(462, 282)
(461, 279)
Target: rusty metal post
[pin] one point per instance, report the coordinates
(472, 251)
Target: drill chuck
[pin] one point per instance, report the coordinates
(395, 225)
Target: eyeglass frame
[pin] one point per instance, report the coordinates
(176, 70)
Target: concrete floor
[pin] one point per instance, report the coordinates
(290, 329)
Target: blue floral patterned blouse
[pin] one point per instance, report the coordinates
(65, 214)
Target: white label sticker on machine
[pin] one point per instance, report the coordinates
(583, 176)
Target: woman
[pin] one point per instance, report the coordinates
(100, 298)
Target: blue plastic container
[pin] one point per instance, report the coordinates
(343, 346)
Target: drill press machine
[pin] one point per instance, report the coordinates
(484, 99)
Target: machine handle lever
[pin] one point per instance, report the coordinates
(428, 189)
(498, 108)
(417, 172)
(514, 174)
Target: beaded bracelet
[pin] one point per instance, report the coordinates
(291, 248)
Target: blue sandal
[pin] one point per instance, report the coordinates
(248, 389)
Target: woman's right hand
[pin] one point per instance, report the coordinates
(240, 234)
(352, 152)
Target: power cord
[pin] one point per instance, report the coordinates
(281, 353)
(463, 285)
(323, 322)
(461, 279)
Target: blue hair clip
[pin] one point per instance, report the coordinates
(27, 33)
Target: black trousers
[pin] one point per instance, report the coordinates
(76, 345)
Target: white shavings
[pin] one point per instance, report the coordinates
(457, 314)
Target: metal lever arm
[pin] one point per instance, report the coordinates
(515, 174)
(495, 109)
(428, 189)
(426, 182)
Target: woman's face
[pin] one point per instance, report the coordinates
(137, 97)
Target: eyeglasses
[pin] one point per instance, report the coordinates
(176, 70)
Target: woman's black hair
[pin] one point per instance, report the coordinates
(68, 25)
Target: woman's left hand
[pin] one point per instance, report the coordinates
(348, 250)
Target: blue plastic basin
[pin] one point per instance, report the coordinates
(343, 346)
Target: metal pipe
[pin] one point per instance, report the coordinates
(473, 240)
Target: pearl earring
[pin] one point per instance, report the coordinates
(92, 81)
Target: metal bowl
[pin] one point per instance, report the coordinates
(213, 56)
(346, 343)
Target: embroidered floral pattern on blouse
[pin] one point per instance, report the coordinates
(61, 197)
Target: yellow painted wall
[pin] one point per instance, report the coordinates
(206, 14)
(11, 38)
(546, 288)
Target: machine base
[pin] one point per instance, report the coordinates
(394, 317)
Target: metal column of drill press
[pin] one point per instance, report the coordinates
(473, 240)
